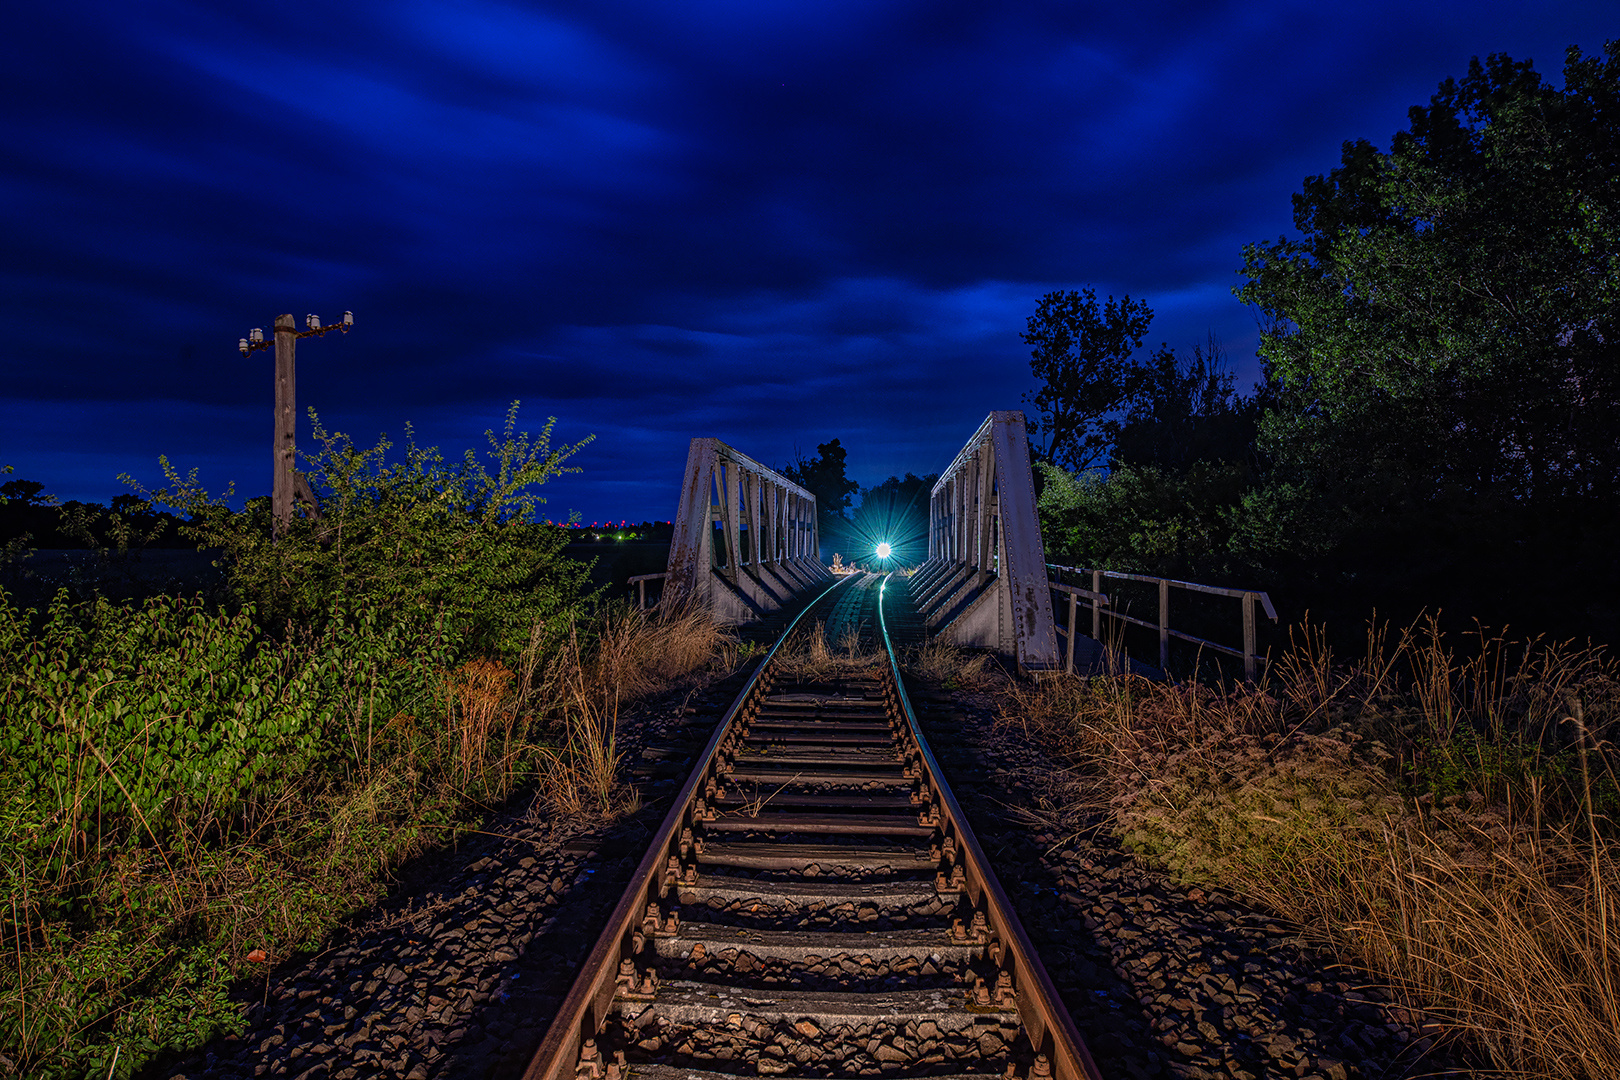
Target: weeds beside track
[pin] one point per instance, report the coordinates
(184, 799)
(1444, 822)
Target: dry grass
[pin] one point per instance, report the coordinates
(476, 706)
(627, 655)
(808, 656)
(938, 661)
(1437, 820)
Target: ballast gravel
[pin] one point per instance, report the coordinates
(1163, 980)
(460, 972)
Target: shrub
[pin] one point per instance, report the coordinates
(147, 756)
(416, 538)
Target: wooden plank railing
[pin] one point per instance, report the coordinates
(1099, 600)
(640, 582)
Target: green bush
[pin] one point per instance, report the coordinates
(127, 724)
(184, 783)
(1141, 519)
(147, 756)
(416, 538)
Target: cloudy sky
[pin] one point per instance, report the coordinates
(770, 222)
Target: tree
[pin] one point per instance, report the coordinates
(1082, 358)
(1186, 410)
(1444, 338)
(1457, 298)
(23, 492)
(1141, 519)
(823, 476)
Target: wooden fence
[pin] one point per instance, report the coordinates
(1099, 600)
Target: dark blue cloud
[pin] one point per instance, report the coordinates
(777, 223)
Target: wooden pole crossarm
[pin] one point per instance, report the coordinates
(287, 485)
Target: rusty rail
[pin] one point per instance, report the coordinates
(1051, 1029)
(586, 1007)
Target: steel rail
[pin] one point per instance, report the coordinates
(1050, 1028)
(1062, 1054)
(590, 997)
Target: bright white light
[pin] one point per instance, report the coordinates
(884, 550)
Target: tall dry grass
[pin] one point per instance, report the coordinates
(478, 710)
(625, 655)
(811, 656)
(939, 661)
(1442, 820)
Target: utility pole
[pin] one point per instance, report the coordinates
(286, 483)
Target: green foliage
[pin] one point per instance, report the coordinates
(1082, 360)
(1496, 766)
(418, 538)
(135, 725)
(1186, 410)
(187, 786)
(185, 1003)
(142, 750)
(129, 525)
(1146, 520)
(1445, 335)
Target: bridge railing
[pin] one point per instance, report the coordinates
(640, 582)
(1099, 600)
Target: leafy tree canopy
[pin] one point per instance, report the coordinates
(1448, 324)
(23, 492)
(1142, 519)
(823, 476)
(1081, 357)
(1186, 410)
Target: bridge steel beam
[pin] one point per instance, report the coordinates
(745, 539)
(984, 584)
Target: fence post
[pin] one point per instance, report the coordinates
(1248, 636)
(1096, 610)
(641, 596)
(1073, 606)
(1164, 626)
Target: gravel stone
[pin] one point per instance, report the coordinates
(459, 972)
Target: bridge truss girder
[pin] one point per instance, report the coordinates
(985, 582)
(745, 539)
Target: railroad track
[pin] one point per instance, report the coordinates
(815, 903)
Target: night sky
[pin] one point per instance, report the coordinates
(773, 223)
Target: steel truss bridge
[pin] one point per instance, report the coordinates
(746, 544)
